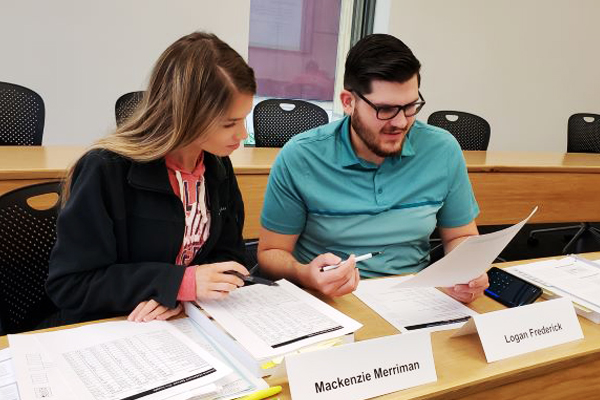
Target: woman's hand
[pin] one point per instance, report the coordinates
(152, 310)
(213, 283)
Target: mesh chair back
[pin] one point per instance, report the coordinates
(22, 115)
(583, 133)
(27, 236)
(126, 106)
(277, 120)
(471, 131)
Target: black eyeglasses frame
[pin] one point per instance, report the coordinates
(377, 109)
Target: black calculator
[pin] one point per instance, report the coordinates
(511, 290)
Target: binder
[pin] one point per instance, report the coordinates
(259, 367)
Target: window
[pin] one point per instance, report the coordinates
(298, 48)
(293, 47)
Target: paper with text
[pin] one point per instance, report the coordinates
(571, 277)
(412, 307)
(8, 381)
(273, 320)
(121, 360)
(37, 376)
(470, 259)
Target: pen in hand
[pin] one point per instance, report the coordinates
(252, 278)
(357, 259)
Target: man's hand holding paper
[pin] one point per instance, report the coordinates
(461, 270)
(470, 291)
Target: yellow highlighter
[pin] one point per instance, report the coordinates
(262, 394)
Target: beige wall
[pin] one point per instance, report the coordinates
(524, 65)
(80, 56)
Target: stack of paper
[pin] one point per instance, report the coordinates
(123, 360)
(572, 277)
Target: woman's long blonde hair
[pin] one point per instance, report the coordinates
(190, 90)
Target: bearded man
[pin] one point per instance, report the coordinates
(377, 180)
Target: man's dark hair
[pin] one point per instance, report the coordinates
(379, 57)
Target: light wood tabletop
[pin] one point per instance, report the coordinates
(566, 371)
(507, 185)
(30, 162)
(504, 161)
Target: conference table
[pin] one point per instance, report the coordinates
(507, 185)
(566, 371)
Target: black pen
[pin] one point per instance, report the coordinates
(437, 323)
(252, 278)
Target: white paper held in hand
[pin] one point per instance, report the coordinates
(467, 261)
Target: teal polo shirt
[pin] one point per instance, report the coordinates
(337, 202)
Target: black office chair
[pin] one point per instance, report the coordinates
(277, 120)
(583, 136)
(22, 115)
(126, 105)
(27, 235)
(471, 131)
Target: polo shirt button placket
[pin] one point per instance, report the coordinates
(378, 195)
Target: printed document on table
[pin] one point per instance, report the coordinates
(270, 321)
(121, 360)
(8, 382)
(573, 277)
(412, 307)
(467, 261)
(240, 382)
(37, 376)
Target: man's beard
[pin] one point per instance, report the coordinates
(369, 138)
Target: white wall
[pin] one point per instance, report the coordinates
(524, 65)
(80, 56)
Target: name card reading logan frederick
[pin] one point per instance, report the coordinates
(520, 330)
(532, 333)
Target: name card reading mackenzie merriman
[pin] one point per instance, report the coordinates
(363, 369)
(520, 330)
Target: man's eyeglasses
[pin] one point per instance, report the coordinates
(388, 112)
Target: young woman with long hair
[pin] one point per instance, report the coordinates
(152, 214)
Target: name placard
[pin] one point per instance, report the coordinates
(520, 330)
(363, 369)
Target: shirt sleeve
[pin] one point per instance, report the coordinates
(284, 210)
(460, 206)
(187, 290)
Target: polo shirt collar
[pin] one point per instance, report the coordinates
(348, 157)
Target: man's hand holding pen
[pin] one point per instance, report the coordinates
(336, 282)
